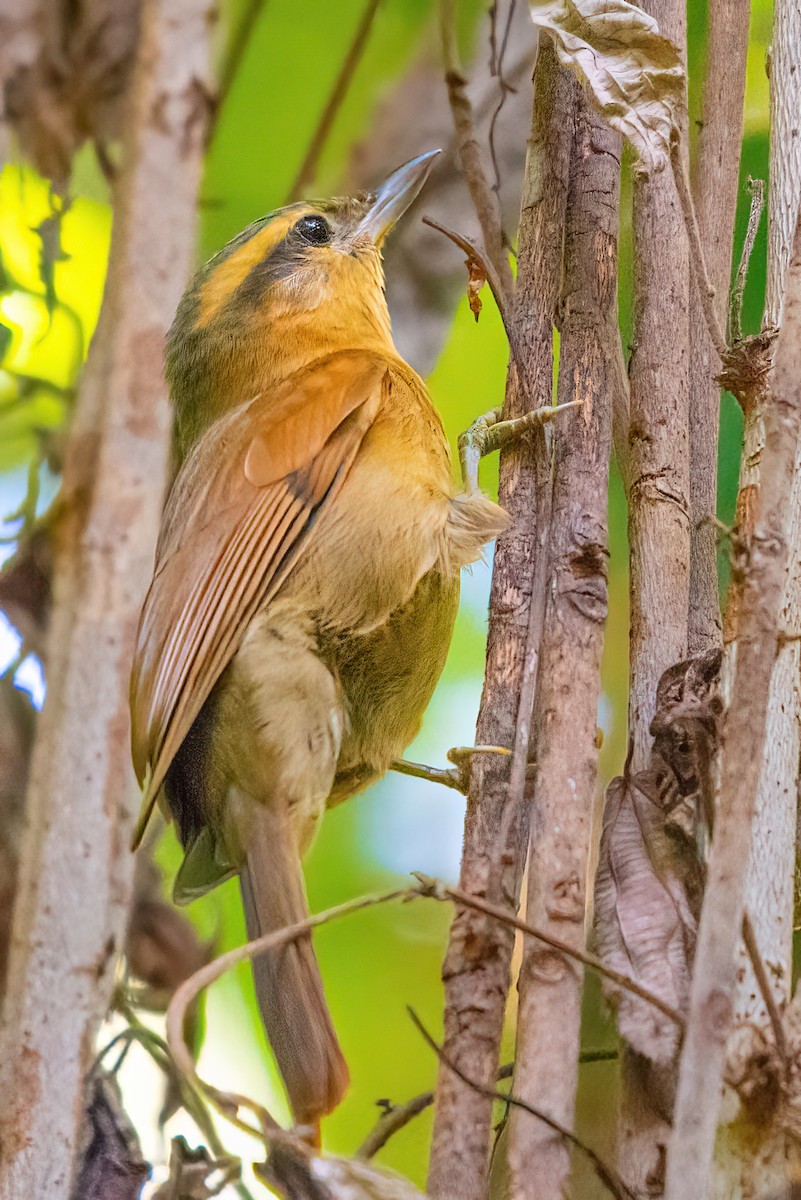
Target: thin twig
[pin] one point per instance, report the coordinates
(398, 1116)
(757, 189)
(606, 1174)
(426, 887)
(706, 291)
(761, 974)
(233, 59)
(476, 254)
(439, 891)
(335, 101)
(485, 200)
(212, 971)
(496, 69)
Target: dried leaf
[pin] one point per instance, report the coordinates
(634, 74)
(300, 1174)
(110, 1163)
(476, 279)
(195, 1175)
(686, 733)
(644, 925)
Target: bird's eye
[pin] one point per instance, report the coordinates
(314, 229)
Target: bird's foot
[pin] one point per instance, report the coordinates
(457, 776)
(488, 433)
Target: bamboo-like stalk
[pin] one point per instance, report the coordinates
(76, 871)
(714, 186)
(659, 459)
(477, 965)
(565, 731)
(770, 880)
(698, 1097)
(744, 1161)
(659, 530)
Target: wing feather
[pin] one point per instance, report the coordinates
(232, 531)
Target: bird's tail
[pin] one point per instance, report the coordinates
(288, 984)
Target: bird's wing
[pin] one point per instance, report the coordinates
(242, 511)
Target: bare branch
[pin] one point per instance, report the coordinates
(477, 965)
(659, 512)
(715, 181)
(79, 798)
(335, 101)
(235, 53)
(702, 1061)
(565, 723)
(756, 187)
(706, 291)
(606, 1174)
(761, 974)
(192, 987)
(485, 200)
(458, 896)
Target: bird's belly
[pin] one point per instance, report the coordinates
(387, 678)
(373, 545)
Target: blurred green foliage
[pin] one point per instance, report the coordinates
(52, 263)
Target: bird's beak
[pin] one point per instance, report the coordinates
(395, 195)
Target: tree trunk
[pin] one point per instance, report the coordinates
(477, 965)
(659, 537)
(76, 870)
(565, 729)
(715, 179)
(698, 1097)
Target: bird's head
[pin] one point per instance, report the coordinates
(303, 282)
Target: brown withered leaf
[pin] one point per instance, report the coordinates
(644, 926)
(686, 733)
(634, 74)
(195, 1175)
(298, 1173)
(110, 1164)
(476, 278)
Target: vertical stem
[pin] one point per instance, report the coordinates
(714, 185)
(549, 1013)
(699, 1093)
(659, 532)
(659, 457)
(76, 871)
(770, 879)
(746, 1162)
(477, 965)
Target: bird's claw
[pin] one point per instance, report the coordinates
(488, 433)
(457, 776)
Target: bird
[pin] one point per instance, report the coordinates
(306, 579)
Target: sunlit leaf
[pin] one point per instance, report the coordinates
(634, 73)
(44, 345)
(24, 419)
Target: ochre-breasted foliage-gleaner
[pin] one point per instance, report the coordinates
(306, 578)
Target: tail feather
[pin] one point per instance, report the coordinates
(288, 983)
